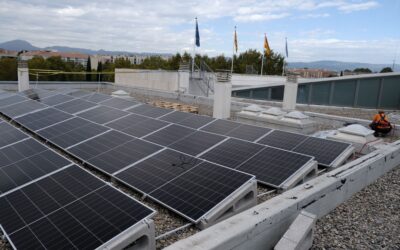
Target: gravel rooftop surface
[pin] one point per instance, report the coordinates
(368, 220)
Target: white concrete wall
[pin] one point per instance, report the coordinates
(151, 79)
(242, 80)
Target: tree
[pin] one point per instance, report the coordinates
(99, 71)
(88, 70)
(362, 70)
(386, 70)
(8, 69)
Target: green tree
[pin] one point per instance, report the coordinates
(122, 63)
(386, 70)
(99, 71)
(362, 70)
(88, 77)
(8, 69)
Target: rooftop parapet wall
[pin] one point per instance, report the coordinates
(262, 226)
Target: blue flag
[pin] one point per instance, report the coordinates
(197, 35)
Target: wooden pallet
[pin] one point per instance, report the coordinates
(176, 106)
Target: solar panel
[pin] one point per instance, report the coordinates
(196, 121)
(152, 173)
(137, 125)
(12, 100)
(36, 94)
(4, 94)
(25, 161)
(56, 99)
(102, 114)
(21, 108)
(169, 135)
(282, 139)
(9, 134)
(194, 193)
(79, 93)
(248, 132)
(274, 166)
(176, 116)
(71, 132)
(222, 127)
(324, 151)
(96, 97)
(149, 111)
(197, 142)
(43, 118)
(99, 144)
(70, 209)
(118, 103)
(232, 153)
(75, 106)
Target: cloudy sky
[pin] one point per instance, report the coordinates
(346, 30)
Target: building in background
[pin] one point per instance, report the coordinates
(313, 73)
(8, 53)
(65, 56)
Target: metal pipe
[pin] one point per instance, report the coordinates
(266, 193)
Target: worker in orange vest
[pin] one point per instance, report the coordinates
(380, 124)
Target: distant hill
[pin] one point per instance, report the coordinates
(19, 45)
(339, 66)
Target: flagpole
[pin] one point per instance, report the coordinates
(233, 49)
(194, 47)
(262, 63)
(283, 66)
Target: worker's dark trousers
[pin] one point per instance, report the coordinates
(383, 131)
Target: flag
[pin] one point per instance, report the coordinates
(267, 50)
(197, 35)
(235, 41)
(286, 49)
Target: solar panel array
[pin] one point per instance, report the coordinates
(47, 202)
(178, 159)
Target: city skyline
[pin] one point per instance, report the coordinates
(343, 30)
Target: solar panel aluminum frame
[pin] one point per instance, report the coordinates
(203, 219)
(119, 238)
(340, 158)
(251, 182)
(301, 173)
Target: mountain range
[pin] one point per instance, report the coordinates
(19, 45)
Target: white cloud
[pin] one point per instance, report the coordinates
(259, 17)
(351, 7)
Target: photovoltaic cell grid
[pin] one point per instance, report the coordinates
(273, 166)
(282, 139)
(113, 151)
(248, 132)
(75, 106)
(232, 153)
(185, 184)
(26, 161)
(36, 94)
(137, 125)
(324, 151)
(71, 132)
(9, 134)
(169, 135)
(79, 93)
(42, 118)
(196, 121)
(197, 142)
(56, 99)
(221, 127)
(149, 111)
(176, 116)
(21, 108)
(12, 100)
(118, 103)
(102, 114)
(152, 173)
(70, 209)
(96, 97)
(194, 193)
